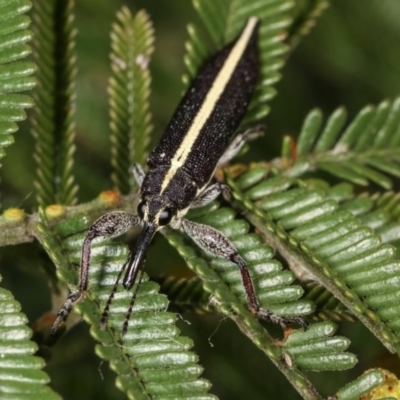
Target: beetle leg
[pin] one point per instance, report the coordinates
(238, 142)
(214, 242)
(108, 226)
(210, 194)
(138, 173)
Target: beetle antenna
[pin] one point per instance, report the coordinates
(106, 311)
(131, 304)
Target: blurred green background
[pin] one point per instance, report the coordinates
(351, 58)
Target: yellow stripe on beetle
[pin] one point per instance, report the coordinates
(211, 99)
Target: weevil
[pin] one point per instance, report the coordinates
(180, 169)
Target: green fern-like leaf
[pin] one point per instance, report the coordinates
(53, 122)
(15, 74)
(367, 150)
(331, 244)
(21, 375)
(129, 89)
(152, 360)
(223, 20)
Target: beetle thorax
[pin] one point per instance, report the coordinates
(178, 194)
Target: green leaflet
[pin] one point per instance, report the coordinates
(317, 348)
(21, 372)
(362, 385)
(152, 359)
(15, 74)
(132, 40)
(54, 118)
(367, 150)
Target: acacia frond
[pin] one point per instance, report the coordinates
(132, 40)
(53, 120)
(327, 244)
(21, 372)
(367, 150)
(15, 74)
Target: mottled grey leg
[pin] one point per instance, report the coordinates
(238, 142)
(210, 194)
(138, 173)
(214, 242)
(108, 226)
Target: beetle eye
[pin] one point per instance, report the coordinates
(141, 209)
(165, 216)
